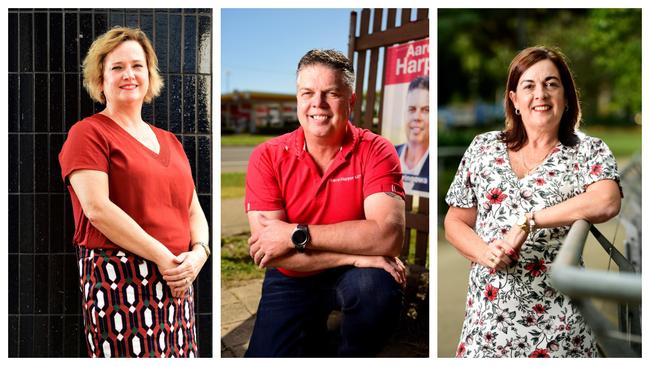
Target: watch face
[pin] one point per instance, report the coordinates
(299, 237)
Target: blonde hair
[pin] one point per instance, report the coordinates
(93, 65)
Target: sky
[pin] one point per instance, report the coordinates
(260, 48)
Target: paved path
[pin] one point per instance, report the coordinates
(233, 216)
(238, 309)
(235, 158)
(238, 304)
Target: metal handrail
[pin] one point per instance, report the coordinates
(576, 282)
(582, 284)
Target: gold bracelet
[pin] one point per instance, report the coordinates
(203, 245)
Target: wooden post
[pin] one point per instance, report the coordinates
(352, 35)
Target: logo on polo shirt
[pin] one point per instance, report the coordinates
(345, 179)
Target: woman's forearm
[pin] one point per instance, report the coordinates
(462, 237)
(123, 231)
(199, 229)
(598, 204)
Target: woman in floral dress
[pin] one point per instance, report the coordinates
(512, 202)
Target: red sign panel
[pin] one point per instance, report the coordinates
(405, 62)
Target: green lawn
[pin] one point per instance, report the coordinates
(236, 263)
(233, 185)
(623, 142)
(244, 139)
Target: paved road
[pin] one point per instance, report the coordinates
(235, 158)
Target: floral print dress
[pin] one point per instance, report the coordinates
(516, 312)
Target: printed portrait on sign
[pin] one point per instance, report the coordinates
(406, 111)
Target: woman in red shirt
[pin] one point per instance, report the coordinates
(140, 233)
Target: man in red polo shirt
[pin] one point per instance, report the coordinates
(325, 205)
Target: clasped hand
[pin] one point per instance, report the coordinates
(503, 252)
(270, 242)
(182, 270)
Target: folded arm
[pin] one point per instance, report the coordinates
(600, 202)
(288, 258)
(373, 242)
(381, 233)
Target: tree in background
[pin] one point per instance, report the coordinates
(475, 47)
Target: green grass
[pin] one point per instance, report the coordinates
(236, 263)
(233, 185)
(624, 142)
(244, 139)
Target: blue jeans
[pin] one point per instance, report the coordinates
(292, 315)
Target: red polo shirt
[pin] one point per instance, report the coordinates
(155, 190)
(283, 176)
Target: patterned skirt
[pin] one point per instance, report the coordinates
(128, 308)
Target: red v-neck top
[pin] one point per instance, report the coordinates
(283, 176)
(154, 189)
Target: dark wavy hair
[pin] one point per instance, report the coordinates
(514, 135)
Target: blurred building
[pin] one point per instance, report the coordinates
(252, 111)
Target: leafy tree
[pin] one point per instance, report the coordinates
(475, 47)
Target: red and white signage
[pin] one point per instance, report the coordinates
(404, 62)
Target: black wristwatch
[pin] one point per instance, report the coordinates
(300, 237)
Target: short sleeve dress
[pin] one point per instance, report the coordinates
(516, 312)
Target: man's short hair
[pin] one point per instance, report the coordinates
(421, 82)
(332, 58)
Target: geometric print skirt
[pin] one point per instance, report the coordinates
(129, 310)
